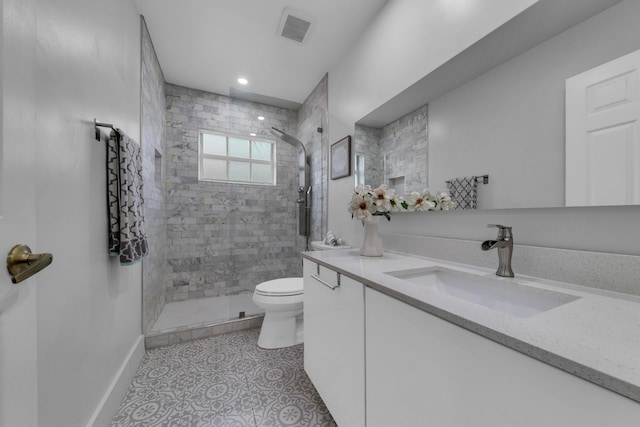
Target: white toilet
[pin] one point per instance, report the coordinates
(281, 300)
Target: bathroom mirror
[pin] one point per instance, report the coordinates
(498, 108)
(395, 154)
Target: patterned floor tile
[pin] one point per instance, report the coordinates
(225, 380)
(281, 391)
(148, 409)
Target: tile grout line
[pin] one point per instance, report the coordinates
(248, 384)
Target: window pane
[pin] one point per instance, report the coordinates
(359, 169)
(238, 171)
(239, 148)
(262, 173)
(261, 150)
(214, 169)
(214, 144)
(234, 159)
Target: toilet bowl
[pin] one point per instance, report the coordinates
(281, 300)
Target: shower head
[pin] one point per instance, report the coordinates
(289, 139)
(304, 189)
(302, 155)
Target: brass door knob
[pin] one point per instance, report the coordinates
(22, 264)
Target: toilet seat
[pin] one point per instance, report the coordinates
(290, 286)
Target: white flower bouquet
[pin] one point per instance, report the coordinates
(366, 202)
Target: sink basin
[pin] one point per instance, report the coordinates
(505, 296)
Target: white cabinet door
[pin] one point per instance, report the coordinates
(334, 342)
(603, 134)
(424, 371)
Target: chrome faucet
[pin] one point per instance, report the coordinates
(504, 243)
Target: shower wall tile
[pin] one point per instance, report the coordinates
(367, 142)
(153, 111)
(406, 135)
(224, 239)
(311, 116)
(399, 149)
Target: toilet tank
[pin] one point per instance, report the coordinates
(322, 246)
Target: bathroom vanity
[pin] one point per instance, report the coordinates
(412, 341)
(334, 340)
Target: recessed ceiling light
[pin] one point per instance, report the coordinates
(252, 134)
(260, 117)
(243, 81)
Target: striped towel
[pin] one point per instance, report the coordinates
(127, 238)
(464, 192)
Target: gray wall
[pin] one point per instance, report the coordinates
(153, 114)
(312, 115)
(223, 238)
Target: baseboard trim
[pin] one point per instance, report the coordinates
(114, 394)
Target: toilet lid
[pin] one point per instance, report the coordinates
(281, 287)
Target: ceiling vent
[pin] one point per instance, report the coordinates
(294, 26)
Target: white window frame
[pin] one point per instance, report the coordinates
(250, 161)
(359, 169)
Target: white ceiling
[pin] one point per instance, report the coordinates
(208, 44)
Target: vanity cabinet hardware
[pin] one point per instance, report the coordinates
(327, 284)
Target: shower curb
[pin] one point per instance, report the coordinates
(187, 333)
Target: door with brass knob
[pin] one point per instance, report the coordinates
(22, 264)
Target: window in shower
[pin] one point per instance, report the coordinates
(359, 169)
(232, 158)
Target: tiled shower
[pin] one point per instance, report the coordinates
(211, 243)
(223, 239)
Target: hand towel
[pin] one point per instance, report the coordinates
(127, 236)
(464, 192)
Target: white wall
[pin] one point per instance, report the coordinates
(517, 110)
(87, 65)
(364, 80)
(407, 40)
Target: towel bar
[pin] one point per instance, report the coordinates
(98, 124)
(485, 179)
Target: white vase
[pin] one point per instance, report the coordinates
(371, 242)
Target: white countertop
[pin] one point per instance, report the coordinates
(596, 337)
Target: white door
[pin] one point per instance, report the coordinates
(18, 360)
(602, 134)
